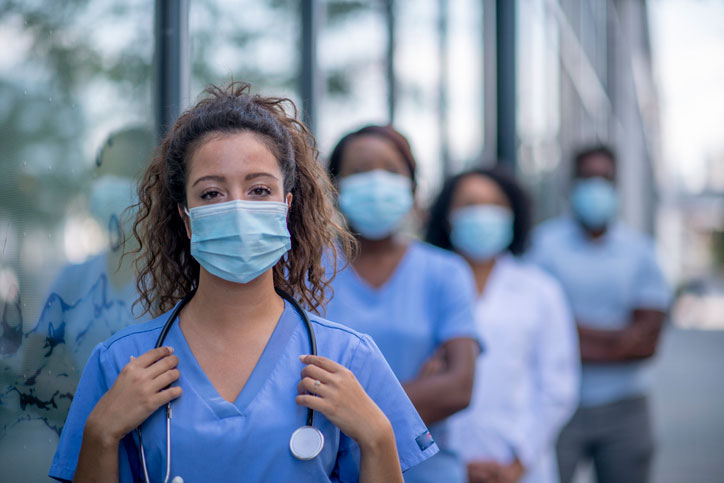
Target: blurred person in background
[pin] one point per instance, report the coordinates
(619, 299)
(412, 298)
(526, 383)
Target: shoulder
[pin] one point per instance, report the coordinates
(437, 259)
(552, 229)
(530, 277)
(343, 344)
(634, 239)
(133, 340)
(334, 329)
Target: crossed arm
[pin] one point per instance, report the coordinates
(637, 341)
(445, 384)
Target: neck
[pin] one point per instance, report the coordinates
(481, 272)
(594, 233)
(222, 306)
(373, 247)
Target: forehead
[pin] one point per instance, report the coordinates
(230, 153)
(596, 164)
(370, 147)
(477, 188)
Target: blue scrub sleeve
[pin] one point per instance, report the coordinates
(652, 291)
(94, 383)
(414, 443)
(454, 300)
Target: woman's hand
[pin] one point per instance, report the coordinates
(483, 472)
(334, 391)
(494, 472)
(434, 365)
(139, 390)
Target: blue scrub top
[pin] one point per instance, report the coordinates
(604, 280)
(248, 440)
(428, 300)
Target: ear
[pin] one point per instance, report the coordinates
(289, 201)
(185, 218)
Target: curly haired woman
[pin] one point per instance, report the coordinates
(234, 211)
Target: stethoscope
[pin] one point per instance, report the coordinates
(306, 441)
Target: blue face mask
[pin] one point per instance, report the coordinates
(594, 202)
(109, 199)
(481, 232)
(239, 240)
(376, 202)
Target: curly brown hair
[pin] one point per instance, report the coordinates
(166, 269)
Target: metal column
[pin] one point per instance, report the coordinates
(171, 62)
(308, 70)
(489, 92)
(443, 86)
(390, 64)
(505, 49)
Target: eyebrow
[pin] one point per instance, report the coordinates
(251, 176)
(210, 177)
(221, 179)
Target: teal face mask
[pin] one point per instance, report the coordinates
(594, 202)
(376, 202)
(481, 232)
(239, 240)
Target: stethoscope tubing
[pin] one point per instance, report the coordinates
(159, 342)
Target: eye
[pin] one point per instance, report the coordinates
(260, 191)
(210, 194)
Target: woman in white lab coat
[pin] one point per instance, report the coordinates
(526, 382)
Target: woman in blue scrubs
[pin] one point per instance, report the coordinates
(234, 207)
(414, 299)
(526, 383)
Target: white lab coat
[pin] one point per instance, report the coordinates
(526, 381)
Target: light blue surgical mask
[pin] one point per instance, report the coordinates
(110, 196)
(594, 202)
(375, 202)
(239, 240)
(481, 232)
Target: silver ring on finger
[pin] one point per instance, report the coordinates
(316, 386)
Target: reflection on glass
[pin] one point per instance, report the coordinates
(74, 72)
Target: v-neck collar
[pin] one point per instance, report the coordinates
(499, 276)
(399, 268)
(270, 357)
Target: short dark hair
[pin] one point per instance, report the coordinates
(592, 150)
(438, 226)
(385, 132)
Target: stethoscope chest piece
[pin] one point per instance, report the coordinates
(306, 443)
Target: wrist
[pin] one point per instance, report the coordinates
(379, 437)
(100, 434)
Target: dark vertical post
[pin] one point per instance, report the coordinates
(391, 82)
(442, 115)
(489, 91)
(506, 80)
(171, 62)
(308, 72)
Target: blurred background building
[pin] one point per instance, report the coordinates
(85, 86)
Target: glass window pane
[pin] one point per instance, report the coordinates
(247, 40)
(351, 52)
(75, 132)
